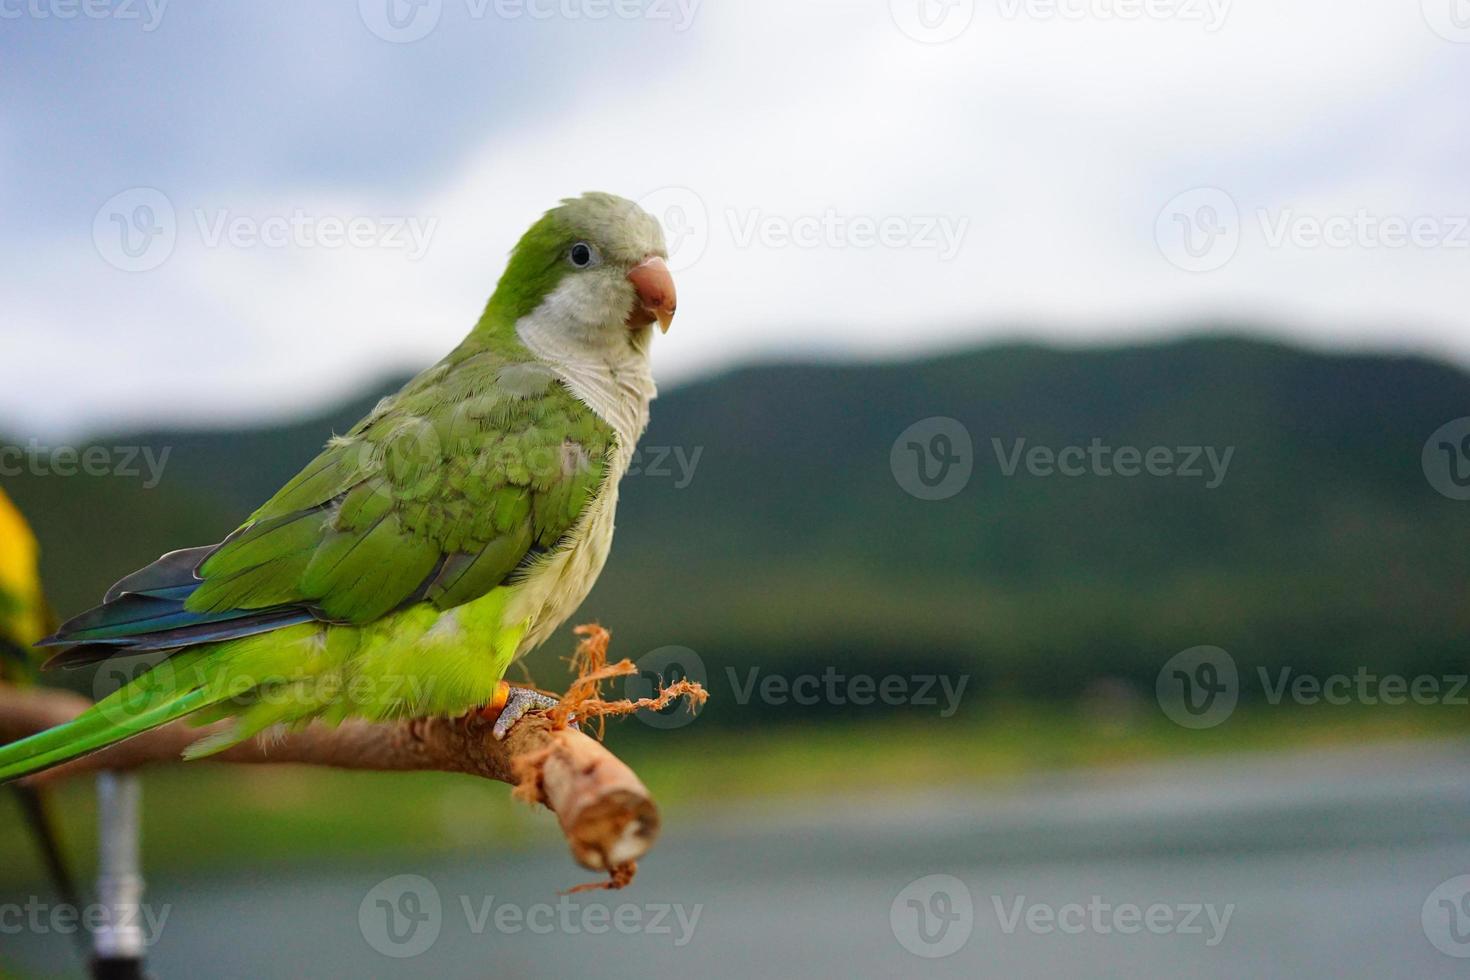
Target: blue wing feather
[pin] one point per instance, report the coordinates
(144, 613)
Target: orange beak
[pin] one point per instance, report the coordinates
(656, 297)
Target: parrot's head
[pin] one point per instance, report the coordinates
(594, 268)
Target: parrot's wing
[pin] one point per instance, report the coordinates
(439, 495)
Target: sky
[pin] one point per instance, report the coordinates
(217, 212)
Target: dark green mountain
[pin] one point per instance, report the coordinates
(793, 547)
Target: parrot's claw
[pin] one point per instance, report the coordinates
(518, 701)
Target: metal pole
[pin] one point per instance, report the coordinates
(119, 944)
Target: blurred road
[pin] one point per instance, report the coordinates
(1321, 864)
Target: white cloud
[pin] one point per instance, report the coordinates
(1058, 141)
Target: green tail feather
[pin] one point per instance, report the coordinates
(105, 723)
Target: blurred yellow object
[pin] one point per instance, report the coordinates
(24, 619)
(24, 616)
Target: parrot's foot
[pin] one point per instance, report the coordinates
(511, 704)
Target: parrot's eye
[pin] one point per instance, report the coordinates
(583, 256)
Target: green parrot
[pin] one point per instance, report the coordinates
(25, 618)
(444, 536)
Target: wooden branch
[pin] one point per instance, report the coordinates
(605, 811)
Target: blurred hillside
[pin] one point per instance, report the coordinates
(789, 545)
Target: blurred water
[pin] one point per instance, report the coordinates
(1326, 865)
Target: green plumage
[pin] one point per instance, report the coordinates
(441, 492)
(404, 568)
